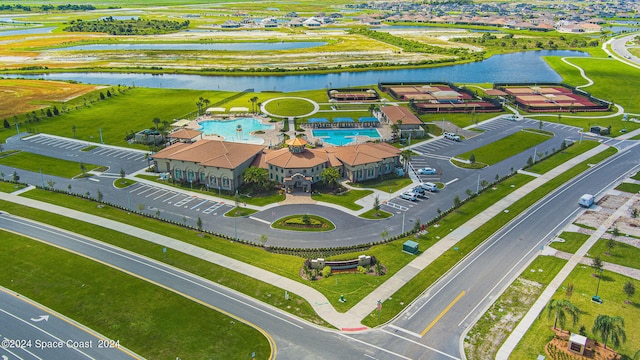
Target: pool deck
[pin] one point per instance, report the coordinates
(269, 136)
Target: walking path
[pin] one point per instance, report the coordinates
(530, 317)
(345, 321)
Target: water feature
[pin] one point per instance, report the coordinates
(516, 67)
(256, 46)
(340, 137)
(229, 129)
(30, 31)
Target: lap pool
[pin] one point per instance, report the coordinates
(229, 129)
(344, 136)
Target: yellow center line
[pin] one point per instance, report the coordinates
(442, 313)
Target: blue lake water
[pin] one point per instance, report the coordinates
(198, 46)
(228, 129)
(41, 30)
(516, 67)
(344, 136)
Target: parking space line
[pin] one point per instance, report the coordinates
(171, 197)
(185, 201)
(150, 188)
(212, 208)
(163, 194)
(155, 192)
(203, 202)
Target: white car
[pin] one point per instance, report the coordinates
(427, 171)
(409, 195)
(429, 186)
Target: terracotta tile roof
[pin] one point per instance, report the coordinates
(296, 142)
(495, 92)
(228, 155)
(395, 113)
(286, 159)
(364, 153)
(185, 134)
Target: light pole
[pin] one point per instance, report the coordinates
(42, 178)
(478, 185)
(403, 223)
(598, 286)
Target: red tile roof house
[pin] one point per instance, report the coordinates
(407, 122)
(220, 165)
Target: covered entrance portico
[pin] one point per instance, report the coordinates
(298, 182)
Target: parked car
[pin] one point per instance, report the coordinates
(419, 191)
(451, 136)
(429, 186)
(399, 171)
(427, 171)
(409, 195)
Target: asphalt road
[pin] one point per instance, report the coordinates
(455, 301)
(466, 291)
(30, 331)
(182, 207)
(618, 45)
(293, 338)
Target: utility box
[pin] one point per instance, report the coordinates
(410, 246)
(600, 130)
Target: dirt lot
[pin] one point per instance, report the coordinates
(21, 96)
(610, 203)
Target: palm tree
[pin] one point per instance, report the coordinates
(610, 327)
(156, 121)
(562, 308)
(254, 101)
(406, 157)
(330, 177)
(258, 177)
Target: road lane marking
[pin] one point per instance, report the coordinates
(420, 344)
(443, 313)
(159, 266)
(397, 328)
(258, 219)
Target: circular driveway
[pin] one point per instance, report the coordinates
(316, 107)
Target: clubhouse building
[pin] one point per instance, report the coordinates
(221, 165)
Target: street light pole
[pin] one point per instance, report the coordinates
(403, 223)
(598, 286)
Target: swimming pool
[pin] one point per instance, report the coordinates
(227, 129)
(344, 136)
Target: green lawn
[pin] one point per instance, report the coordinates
(621, 254)
(239, 211)
(9, 187)
(245, 284)
(629, 187)
(563, 156)
(151, 321)
(506, 147)
(347, 199)
(488, 334)
(123, 183)
(46, 165)
(636, 176)
(584, 286)
(388, 185)
(303, 223)
(573, 242)
(289, 107)
(371, 214)
(447, 260)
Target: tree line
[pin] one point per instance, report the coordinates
(127, 27)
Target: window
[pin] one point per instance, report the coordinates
(213, 181)
(271, 176)
(190, 175)
(225, 182)
(203, 177)
(178, 174)
(370, 172)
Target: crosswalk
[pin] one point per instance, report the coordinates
(178, 199)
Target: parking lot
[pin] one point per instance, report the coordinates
(159, 197)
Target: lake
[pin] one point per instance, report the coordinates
(257, 46)
(30, 31)
(516, 67)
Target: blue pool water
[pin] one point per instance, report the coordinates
(227, 129)
(344, 136)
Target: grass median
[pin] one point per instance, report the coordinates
(506, 147)
(221, 275)
(447, 260)
(147, 319)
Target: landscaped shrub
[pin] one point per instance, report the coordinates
(326, 271)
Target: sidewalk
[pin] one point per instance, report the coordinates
(369, 303)
(530, 317)
(346, 321)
